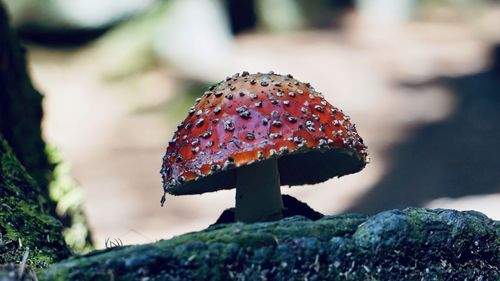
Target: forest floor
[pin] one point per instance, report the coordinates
(113, 125)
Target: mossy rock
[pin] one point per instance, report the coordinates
(412, 244)
(25, 222)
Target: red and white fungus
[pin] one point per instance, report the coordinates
(251, 118)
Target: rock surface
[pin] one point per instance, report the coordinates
(410, 244)
(26, 227)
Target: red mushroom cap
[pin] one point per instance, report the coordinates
(253, 117)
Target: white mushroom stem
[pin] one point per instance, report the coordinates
(258, 194)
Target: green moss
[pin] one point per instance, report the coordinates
(20, 117)
(24, 218)
(412, 244)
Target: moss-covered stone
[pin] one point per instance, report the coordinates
(412, 244)
(25, 221)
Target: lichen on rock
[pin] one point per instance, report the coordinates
(410, 244)
(25, 221)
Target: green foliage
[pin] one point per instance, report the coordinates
(176, 107)
(64, 190)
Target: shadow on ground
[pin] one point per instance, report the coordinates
(454, 157)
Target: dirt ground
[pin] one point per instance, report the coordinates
(114, 130)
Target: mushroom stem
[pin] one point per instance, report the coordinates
(258, 194)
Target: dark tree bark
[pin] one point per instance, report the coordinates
(20, 121)
(21, 107)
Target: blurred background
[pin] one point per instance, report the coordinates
(421, 80)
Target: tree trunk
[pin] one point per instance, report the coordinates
(21, 107)
(20, 124)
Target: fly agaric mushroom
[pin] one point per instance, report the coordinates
(256, 132)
